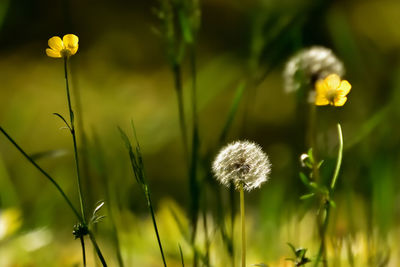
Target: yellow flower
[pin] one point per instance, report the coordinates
(332, 91)
(66, 47)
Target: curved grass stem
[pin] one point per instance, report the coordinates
(339, 159)
(59, 189)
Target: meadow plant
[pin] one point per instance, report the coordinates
(246, 166)
(65, 48)
(136, 160)
(180, 22)
(302, 72)
(329, 91)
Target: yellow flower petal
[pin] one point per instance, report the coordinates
(339, 101)
(321, 88)
(53, 53)
(71, 43)
(321, 100)
(56, 43)
(344, 88)
(332, 81)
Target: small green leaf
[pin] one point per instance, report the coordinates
(307, 196)
(301, 252)
(314, 185)
(304, 179)
(292, 247)
(332, 203)
(319, 164)
(310, 154)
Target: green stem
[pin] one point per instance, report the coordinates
(182, 120)
(182, 259)
(233, 212)
(324, 218)
(78, 175)
(97, 249)
(72, 130)
(150, 206)
(193, 183)
(326, 205)
(43, 172)
(339, 159)
(243, 226)
(107, 194)
(83, 250)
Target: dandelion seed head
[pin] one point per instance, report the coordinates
(242, 162)
(308, 66)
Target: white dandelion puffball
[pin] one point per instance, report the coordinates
(310, 65)
(242, 162)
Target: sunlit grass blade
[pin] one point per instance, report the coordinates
(136, 161)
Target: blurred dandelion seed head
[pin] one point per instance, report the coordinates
(242, 162)
(308, 66)
(66, 47)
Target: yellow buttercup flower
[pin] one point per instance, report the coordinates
(66, 47)
(332, 91)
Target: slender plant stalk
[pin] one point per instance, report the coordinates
(325, 209)
(97, 249)
(182, 259)
(242, 211)
(73, 133)
(72, 130)
(150, 206)
(136, 161)
(193, 183)
(233, 212)
(83, 250)
(312, 140)
(59, 189)
(205, 226)
(177, 71)
(107, 185)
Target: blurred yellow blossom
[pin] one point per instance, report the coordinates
(10, 221)
(66, 47)
(332, 91)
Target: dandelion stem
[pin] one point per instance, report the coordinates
(243, 225)
(83, 250)
(78, 216)
(72, 130)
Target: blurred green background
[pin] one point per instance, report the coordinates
(121, 73)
